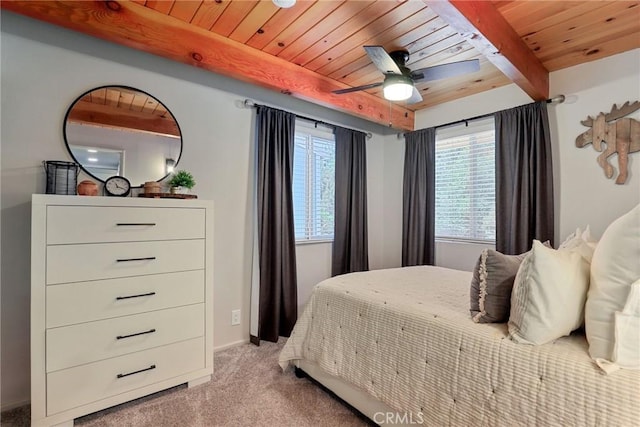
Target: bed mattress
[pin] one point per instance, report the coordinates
(405, 337)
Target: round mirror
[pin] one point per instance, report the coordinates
(119, 130)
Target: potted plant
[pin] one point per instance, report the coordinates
(181, 182)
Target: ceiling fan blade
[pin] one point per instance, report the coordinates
(415, 97)
(382, 60)
(357, 88)
(438, 72)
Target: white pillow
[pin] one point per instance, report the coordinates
(615, 266)
(582, 242)
(548, 295)
(626, 349)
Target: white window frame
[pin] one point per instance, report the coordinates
(323, 132)
(458, 130)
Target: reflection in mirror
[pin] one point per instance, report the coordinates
(117, 130)
(99, 162)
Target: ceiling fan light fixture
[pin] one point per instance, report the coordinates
(285, 4)
(397, 88)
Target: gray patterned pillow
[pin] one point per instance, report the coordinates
(491, 286)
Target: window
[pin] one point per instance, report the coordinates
(465, 182)
(313, 183)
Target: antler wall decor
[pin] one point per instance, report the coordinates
(620, 135)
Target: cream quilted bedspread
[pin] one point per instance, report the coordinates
(405, 336)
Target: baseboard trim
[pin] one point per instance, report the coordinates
(230, 345)
(199, 381)
(9, 406)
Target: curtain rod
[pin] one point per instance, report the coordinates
(247, 103)
(559, 99)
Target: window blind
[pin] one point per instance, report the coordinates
(313, 183)
(465, 182)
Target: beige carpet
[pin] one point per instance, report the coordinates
(248, 389)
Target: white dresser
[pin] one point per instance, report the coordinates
(121, 301)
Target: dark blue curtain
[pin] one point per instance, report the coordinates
(278, 302)
(350, 243)
(418, 202)
(524, 178)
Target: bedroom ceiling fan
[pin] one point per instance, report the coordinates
(399, 81)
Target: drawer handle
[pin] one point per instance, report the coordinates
(133, 224)
(136, 372)
(149, 258)
(150, 331)
(148, 294)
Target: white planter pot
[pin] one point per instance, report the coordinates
(180, 190)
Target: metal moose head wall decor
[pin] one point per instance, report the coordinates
(620, 135)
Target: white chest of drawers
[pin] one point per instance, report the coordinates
(121, 301)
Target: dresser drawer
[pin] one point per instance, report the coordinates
(81, 302)
(95, 224)
(75, 345)
(76, 263)
(70, 388)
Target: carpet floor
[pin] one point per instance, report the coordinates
(248, 389)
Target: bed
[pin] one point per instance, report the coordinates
(400, 346)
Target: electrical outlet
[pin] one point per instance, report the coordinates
(235, 317)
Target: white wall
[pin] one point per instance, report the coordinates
(313, 263)
(582, 194)
(44, 68)
(585, 195)
(145, 154)
(392, 191)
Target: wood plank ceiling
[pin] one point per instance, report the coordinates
(320, 42)
(327, 37)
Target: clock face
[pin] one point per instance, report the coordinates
(117, 186)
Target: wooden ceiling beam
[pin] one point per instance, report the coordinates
(480, 23)
(133, 25)
(107, 116)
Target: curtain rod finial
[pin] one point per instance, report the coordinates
(248, 103)
(558, 99)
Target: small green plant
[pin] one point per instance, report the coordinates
(182, 179)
